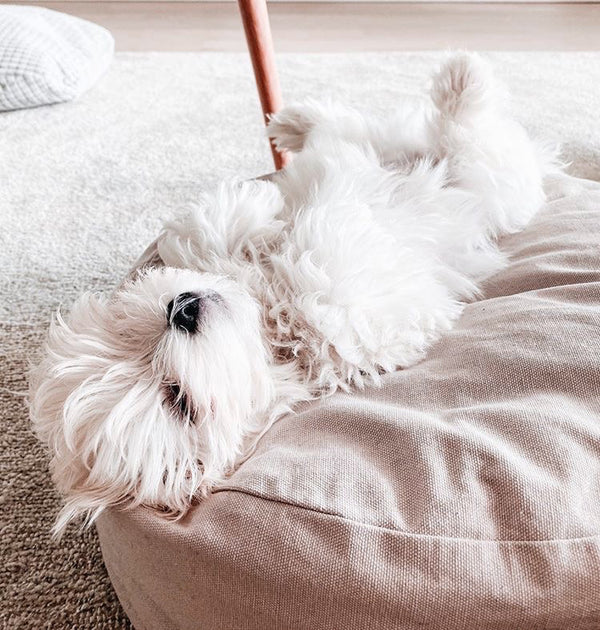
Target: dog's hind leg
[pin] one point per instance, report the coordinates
(464, 89)
(487, 153)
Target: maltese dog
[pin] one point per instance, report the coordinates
(346, 265)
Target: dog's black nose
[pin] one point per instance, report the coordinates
(185, 312)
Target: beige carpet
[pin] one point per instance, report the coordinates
(83, 187)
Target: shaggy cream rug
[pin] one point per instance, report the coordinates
(83, 188)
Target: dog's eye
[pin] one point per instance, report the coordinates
(178, 402)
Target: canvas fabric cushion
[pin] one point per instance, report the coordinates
(463, 494)
(47, 56)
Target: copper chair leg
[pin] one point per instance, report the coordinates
(260, 45)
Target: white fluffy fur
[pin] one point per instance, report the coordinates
(349, 264)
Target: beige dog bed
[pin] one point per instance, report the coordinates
(464, 494)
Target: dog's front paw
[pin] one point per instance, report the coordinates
(290, 126)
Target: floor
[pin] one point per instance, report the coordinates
(339, 27)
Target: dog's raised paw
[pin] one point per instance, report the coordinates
(464, 87)
(290, 127)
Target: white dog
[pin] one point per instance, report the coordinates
(347, 265)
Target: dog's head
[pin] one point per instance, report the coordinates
(146, 396)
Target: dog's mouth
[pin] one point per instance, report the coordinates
(179, 403)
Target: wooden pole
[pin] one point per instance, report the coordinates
(260, 46)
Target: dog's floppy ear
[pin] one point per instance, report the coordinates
(74, 345)
(75, 350)
(81, 505)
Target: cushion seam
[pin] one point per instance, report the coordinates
(256, 495)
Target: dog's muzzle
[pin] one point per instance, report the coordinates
(186, 311)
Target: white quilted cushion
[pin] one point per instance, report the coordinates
(47, 56)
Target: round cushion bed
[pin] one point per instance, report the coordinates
(463, 494)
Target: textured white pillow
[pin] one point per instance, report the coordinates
(47, 56)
